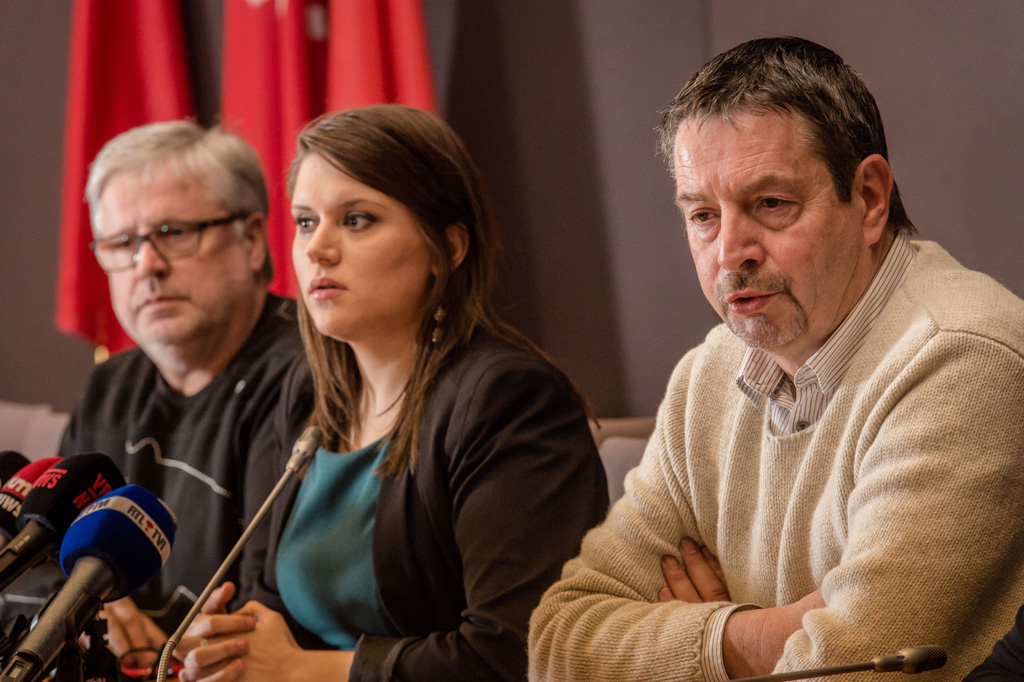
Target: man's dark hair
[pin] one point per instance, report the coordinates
(796, 76)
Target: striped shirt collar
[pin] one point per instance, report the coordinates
(760, 375)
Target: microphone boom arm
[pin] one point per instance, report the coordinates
(912, 660)
(814, 672)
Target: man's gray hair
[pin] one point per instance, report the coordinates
(226, 164)
(796, 76)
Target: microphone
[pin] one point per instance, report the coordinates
(59, 494)
(303, 450)
(13, 494)
(11, 462)
(911, 660)
(116, 545)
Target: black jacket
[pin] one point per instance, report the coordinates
(507, 482)
(1006, 662)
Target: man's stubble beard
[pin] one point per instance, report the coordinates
(755, 330)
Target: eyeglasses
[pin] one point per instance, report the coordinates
(139, 665)
(171, 241)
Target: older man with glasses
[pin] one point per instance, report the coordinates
(178, 215)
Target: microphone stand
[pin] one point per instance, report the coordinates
(814, 672)
(305, 447)
(911, 660)
(94, 663)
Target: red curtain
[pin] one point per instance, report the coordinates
(378, 52)
(127, 67)
(288, 61)
(284, 63)
(273, 82)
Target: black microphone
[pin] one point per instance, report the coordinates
(11, 462)
(59, 494)
(303, 450)
(114, 547)
(13, 494)
(911, 660)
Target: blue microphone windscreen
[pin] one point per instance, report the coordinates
(130, 529)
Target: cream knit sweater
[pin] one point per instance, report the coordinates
(904, 503)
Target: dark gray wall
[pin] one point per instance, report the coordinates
(558, 101)
(36, 363)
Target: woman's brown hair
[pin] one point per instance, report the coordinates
(416, 158)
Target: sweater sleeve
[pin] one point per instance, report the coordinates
(603, 621)
(935, 547)
(525, 483)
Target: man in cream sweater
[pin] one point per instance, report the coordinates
(837, 471)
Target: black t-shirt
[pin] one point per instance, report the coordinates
(211, 457)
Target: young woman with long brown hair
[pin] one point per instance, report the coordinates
(458, 472)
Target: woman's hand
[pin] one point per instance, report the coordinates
(266, 653)
(198, 646)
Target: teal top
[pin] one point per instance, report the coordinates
(325, 557)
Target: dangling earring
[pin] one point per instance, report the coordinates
(439, 315)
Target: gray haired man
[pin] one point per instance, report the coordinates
(178, 215)
(835, 473)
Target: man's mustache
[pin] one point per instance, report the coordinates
(758, 281)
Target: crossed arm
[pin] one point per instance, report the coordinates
(753, 640)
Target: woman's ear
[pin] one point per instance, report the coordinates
(458, 243)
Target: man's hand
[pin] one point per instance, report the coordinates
(753, 640)
(129, 628)
(698, 579)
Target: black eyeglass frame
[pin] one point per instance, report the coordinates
(125, 238)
